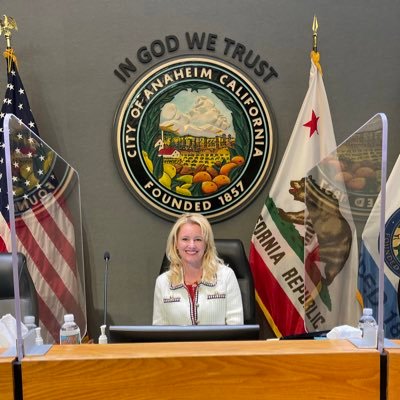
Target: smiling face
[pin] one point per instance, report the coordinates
(191, 245)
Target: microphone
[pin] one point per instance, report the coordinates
(106, 259)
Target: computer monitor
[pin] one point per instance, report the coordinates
(173, 333)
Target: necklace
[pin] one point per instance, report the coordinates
(193, 281)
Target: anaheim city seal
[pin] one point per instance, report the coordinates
(392, 242)
(194, 134)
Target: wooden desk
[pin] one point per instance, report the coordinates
(6, 377)
(282, 370)
(393, 372)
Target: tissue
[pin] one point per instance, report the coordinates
(344, 332)
(8, 330)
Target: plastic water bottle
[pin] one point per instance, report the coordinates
(70, 332)
(38, 338)
(369, 328)
(29, 322)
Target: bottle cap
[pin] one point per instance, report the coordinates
(103, 337)
(29, 319)
(38, 339)
(69, 318)
(367, 311)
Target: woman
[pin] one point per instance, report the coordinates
(198, 289)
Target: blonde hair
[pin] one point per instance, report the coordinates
(211, 261)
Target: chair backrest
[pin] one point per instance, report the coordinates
(28, 295)
(233, 253)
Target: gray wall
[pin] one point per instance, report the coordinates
(69, 49)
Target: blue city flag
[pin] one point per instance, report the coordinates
(368, 275)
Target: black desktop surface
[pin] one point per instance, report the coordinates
(173, 333)
(306, 336)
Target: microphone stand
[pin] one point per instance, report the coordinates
(103, 338)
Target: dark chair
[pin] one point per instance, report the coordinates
(233, 254)
(28, 295)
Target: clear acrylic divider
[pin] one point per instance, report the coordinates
(46, 243)
(344, 216)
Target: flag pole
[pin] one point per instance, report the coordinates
(314, 53)
(315, 34)
(7, 24)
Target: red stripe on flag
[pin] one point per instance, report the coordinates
(57, 237)
(4, 230)
(275, 300)
(62, 203)
(48, 319)
(48, 272)
(3, 246)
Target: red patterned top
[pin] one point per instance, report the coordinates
(192, 290)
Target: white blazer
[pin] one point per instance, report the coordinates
(216, 303)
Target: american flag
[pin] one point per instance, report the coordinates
(44, 223)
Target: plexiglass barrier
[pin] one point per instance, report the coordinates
(44, 234)
(344, 269)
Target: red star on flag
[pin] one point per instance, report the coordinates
(312, 124)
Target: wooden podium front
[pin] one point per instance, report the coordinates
(6, 377)
(393, 372)
(307, 369)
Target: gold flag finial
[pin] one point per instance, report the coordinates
(315, 34)
(7, 24)
(314, 52)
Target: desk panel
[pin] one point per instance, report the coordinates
(393, 372)
(6, 377)
(281, 370)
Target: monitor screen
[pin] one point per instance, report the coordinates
(191, 333)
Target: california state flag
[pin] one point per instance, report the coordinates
(277, 245)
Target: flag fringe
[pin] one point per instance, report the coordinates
(315, 57)
(360, 298)
(268, 317)
(10, 56)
